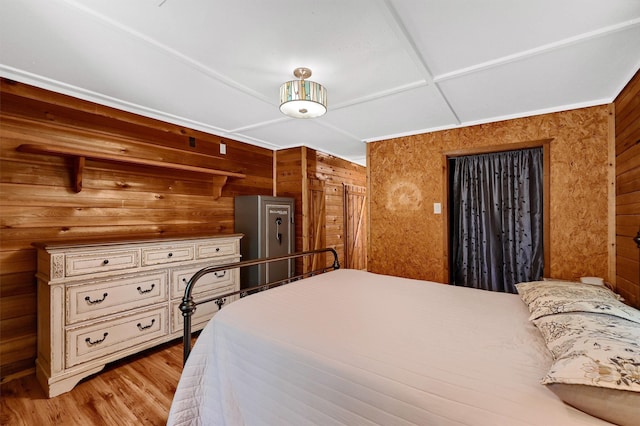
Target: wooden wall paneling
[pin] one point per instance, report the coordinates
(627, 102)
(627, 184)
(315, 180)
(105, 132)
(334, 219)
(406, 178)
(355, 233)
(334, 216)
(328, 167)
(73, 169)
(41, 133)
(17, 310)
(315, 223)
(40, 105)
(289, 182)
(334, 172)
(118, 201)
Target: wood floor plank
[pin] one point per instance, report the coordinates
(137, 390)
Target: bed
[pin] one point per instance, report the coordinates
(352, 347)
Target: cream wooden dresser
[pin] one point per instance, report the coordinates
(103, 301)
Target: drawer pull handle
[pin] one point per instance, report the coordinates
(170, 255)
(141, 291)
(144, 327)
(220, 274)
(97, 342)
(217, 249)
(105, 262)
(95, 302)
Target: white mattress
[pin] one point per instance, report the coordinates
(355, 348)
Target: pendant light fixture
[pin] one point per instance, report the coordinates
(303, 98)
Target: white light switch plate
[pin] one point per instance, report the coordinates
(437, 208)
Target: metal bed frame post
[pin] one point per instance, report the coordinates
(188, 305)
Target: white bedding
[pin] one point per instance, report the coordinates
(355, 348)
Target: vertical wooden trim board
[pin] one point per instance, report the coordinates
(274, 186)
(368, 183)
(305, 208)
(546, 148)
(611, 181)
(446, 261)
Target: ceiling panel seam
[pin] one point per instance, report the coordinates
(399, 27)
(545, 48)
(325, 124)
(381, 94)
(172, 52)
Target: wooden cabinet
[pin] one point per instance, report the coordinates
(103, 301)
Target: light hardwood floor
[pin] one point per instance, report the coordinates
(137, 390)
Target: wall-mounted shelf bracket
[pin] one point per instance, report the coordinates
(219, 177)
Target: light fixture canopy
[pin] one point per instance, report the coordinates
(303, 98)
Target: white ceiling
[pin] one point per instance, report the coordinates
(391, 67)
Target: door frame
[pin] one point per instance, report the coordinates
(545, 144)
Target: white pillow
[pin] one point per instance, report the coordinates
(552, 297)
(597, 364)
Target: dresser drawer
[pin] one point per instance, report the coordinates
(166, 254)
(119, 294)
(217, 282)
(203, 313)
(96, 262)
(108, 337)
(212, 249)
(199, 317)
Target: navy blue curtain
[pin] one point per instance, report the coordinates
(497, 226)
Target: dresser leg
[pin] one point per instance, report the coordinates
(54, 386)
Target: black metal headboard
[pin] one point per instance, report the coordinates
(188, 305)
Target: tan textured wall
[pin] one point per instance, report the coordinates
(406, 177)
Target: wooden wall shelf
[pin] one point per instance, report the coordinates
(79, 155)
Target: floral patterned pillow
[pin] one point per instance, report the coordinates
(552, 297)
(597, 364)
(563, 333)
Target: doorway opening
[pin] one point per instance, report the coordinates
(497, 203)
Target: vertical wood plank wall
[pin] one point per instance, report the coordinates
(290, 181)
(355, 233)
(627, 149)
(316, 181)
(406, 179)
(117, 200)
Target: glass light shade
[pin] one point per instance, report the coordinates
(303, 99)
